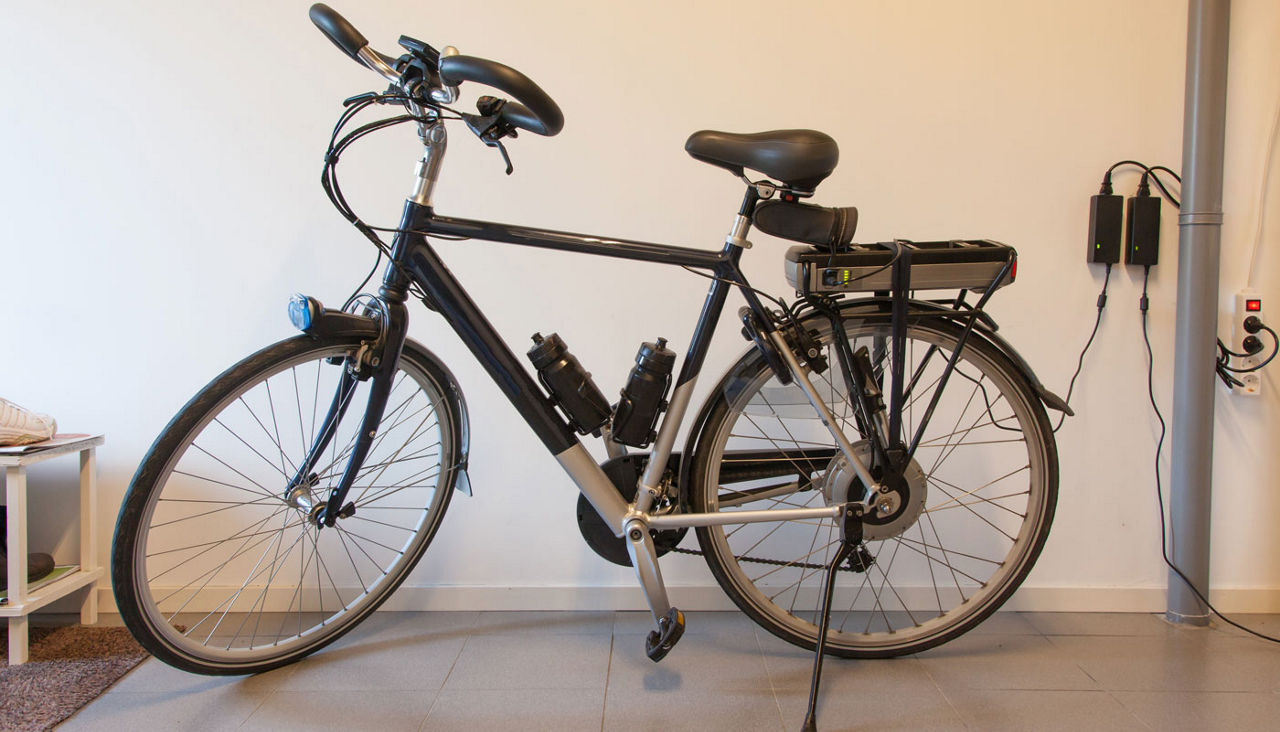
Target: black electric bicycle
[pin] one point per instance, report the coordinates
(875, 475)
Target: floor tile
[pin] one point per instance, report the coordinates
(710, 661)
(566, 671)
(210, 709)
(851, 710)
(436, 624)
(1007, 623)
(859, 694)
(1128, 624)
(1267, 624)
(1201, 661)
(530, 661)
(637, 624)
(687, 709)
(389, 659)
(516, 622)
(1017, 709)
(791, 667)
(1203, 711)
(153, 676)
(385, 711)
(529, 710)
(1003, 662)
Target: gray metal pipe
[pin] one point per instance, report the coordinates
(1200, 230)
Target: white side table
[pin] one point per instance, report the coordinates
(20, 602)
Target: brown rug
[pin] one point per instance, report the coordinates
(69, 668)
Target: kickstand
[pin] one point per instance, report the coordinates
(850, 541)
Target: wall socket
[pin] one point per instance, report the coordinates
(1248, 302)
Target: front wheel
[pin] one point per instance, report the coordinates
(953, 542)
(219, 569)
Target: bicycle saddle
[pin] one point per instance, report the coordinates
(798, 158)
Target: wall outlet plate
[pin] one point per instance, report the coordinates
(1248, 302)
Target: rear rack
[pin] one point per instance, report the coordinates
(972, 264)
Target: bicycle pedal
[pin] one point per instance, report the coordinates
(660, 642)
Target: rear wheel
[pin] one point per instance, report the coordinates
(978, 499)
(216, 570)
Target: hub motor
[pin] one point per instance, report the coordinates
(895, 509)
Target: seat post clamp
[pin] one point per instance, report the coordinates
(738, 234)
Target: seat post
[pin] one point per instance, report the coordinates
(742, 222)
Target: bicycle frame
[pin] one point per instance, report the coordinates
(445, 294)
(415, 262)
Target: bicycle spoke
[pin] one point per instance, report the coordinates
(940, 562)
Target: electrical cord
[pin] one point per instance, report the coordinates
(1143, 189)
(1147, 170)
(1223, 352)
(785, 309)
(1151, 395)
(338, 144)
(1102, 303)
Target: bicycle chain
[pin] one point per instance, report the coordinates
(758, 560)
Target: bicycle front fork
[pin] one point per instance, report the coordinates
(382, 328)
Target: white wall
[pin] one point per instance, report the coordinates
(161, 201)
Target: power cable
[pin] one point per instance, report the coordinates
(1164, 546)
(1102, 303)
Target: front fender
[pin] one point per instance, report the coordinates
(457, 404)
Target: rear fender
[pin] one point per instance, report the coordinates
(984, 329)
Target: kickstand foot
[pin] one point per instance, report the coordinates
(850, 542)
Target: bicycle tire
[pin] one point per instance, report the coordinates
(772, 571)
(198, 496)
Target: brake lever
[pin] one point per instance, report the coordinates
(357, 99)
(505, 157)
(490, 128)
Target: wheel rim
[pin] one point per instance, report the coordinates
(987, 502)
(228, 571)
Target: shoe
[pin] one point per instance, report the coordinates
(19, 426)
(38, 564)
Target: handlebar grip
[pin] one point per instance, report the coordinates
(544, 116)
(337, 29)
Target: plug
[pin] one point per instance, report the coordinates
(1106, 219)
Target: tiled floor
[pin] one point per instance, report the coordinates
(587, 671)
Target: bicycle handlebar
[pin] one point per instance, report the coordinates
(533, 109)
(536, 111)
(337, 29)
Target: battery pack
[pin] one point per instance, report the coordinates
(935, 265)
